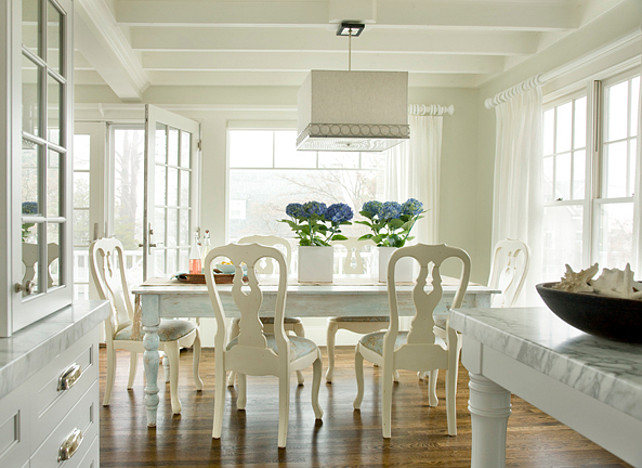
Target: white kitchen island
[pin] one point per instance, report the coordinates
(591, 384)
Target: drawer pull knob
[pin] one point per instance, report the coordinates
(70, 445)
(69, 377)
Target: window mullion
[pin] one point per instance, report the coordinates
(593, 171)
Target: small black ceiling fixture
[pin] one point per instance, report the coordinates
(349, 28)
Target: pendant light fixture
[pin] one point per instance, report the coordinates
(352, 110)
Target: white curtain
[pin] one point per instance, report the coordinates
(517, 204)
(413, 169)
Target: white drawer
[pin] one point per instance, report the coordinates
(83, 416)
(50, 402)
(91, 458)
(14, 447)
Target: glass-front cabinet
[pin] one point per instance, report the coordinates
(38, 168)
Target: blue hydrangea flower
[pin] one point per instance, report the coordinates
(412, 207)
(338, 213)
(373, 207)
(390, 210)
(312, 208)
(296, 211)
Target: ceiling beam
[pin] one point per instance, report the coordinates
(506, 14)
(104, 47)
(301, 39)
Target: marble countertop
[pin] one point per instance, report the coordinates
(35, 346)
(606, 370)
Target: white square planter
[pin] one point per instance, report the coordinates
(316, 264)
(404, 271)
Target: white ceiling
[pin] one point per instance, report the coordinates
(131, 45)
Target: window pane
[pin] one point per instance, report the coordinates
(549, 131)
(185, 188)
(562, 240)
(81, 228)
(172, 186)
(338, 160)
(186, 145)
(159, 228)
(547, 178)
(563, 176)
(30, 30)
(172, 150)
(53, 184)
(160, 155)
(579, 174)
(632, 155)
(564, 127)
(81, 152)
(172, 227)
(615, 170)
(30, 96)
(286, 155)
(579, 139)
(54, 39)
(250, 148)
(617, 111)
(54, 241)
(635, 100)
(184, 237)
(160, 185)
(54, 110)
(615, 236)
(172, 261)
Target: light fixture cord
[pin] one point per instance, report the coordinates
(349, 49)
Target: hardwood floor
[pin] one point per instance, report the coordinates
(345, 438)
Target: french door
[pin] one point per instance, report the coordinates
(171, 197)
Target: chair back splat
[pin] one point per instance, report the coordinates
(508, 271)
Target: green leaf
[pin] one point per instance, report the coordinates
(367, 214)
(366, 236)
(395, 223)
(366, 223)
(337, 237)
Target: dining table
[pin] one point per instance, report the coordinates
(169, 298)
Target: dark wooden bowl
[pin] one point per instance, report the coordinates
(608, 317)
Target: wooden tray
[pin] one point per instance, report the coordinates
(220, 278)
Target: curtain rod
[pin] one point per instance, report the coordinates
(430, 109)
(516, 90)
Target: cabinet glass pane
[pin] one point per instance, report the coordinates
(184, 195)
(30, 171)
(30, 30)
(54, 38)
(30, 96)
(161, 144)
(159, 229)
(30, 254)
(172, 186)
(172, 227)
(55, 240)
(54, 110)
(54, 184)
(160, 185)
(184, 237)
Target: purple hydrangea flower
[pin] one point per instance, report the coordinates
(412, 207)
(29, 207)
(338, 213)
(313, 208)
(373, 207)
(390, 210)
(296, 211)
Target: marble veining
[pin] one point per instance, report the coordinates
(35, 346)
(609, 371)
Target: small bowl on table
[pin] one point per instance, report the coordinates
(226, 268)
(608, 317)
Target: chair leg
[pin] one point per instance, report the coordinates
(198, 382)
(316, 383)
(241, 399)
(284, 406)
(358, 369)
(219, 399)
(432, 388)
(172, 351)
(298, 330)
(386, 401)
(133, 363)
(235, 328)
(165, 362)
(111, 371)
(333, 327)
(451, 380)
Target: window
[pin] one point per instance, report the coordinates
(589, 166)
(266, 173)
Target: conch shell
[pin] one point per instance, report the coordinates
(577, 282)
(617, 283)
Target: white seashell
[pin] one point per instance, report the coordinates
(577, 282)
(617, 283)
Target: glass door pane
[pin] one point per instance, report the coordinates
(171, 187)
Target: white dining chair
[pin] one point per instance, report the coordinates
(508, 270)
(352, 263)
(107, 262)
(254, 352)
(418, 349)
(268, 267)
